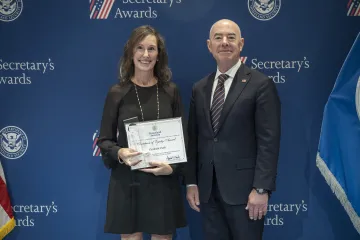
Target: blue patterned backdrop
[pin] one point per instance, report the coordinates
(59, 58)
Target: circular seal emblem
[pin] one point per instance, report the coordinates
(10, 10)
(13, 142)
(264, 9)
(357, 98)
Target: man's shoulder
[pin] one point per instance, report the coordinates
(202, 82)
(256, 75)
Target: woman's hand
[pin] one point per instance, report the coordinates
(125, 154)
(158, 168)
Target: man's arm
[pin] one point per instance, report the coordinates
(268, 129)
(192, 192)
(190, 177)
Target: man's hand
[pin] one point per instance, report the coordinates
(192, 195)
(159, 168)
(257, 205)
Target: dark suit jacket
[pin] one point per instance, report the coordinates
(245, 150)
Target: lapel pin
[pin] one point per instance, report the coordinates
(244, 80)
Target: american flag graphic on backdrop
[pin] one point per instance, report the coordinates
(100, 9)
(96, 149)
(353, 8)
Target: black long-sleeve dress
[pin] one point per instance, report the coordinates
(139, 201)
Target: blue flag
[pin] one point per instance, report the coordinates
(338, 156)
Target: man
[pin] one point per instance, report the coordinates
(234, 136)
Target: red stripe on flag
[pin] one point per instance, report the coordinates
(107, 9)
(98, 152)
(95, 14)
(92, 4)
(102, 9)
(348, 5)
(106, 6)
(357, 12)
(5, 200)
(352, 12)
(96, 139)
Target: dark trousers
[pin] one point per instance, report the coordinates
(222, 221)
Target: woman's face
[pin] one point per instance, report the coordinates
(146, 54)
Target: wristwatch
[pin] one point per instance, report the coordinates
(261, 191)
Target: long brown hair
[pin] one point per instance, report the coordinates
(161, 69)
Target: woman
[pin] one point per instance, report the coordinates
(145, 200)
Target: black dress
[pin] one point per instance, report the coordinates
(139, 201)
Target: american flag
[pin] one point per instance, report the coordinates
(353, 7)
(7, 221)
(100, 9)
(96, 149)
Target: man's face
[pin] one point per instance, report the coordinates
(225, 42)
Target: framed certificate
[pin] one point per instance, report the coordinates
(160, 140)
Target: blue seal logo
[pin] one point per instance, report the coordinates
(264, 9)
(13, 142)
(10, 10)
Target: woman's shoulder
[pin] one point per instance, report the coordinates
(171, 86)
(117, 91)
(115, 88)
(119, 88)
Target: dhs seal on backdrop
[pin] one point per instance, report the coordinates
(10, 10)
(13, 142)
(264, 9)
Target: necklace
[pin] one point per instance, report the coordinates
(157, 99)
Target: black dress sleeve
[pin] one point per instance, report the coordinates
(107, 141)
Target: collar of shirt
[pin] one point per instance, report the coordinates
(231, 72)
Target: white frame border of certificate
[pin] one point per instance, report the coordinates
(133, 136)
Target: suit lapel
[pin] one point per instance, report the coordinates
(207, 91)
(240, 80)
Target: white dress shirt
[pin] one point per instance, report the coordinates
(231, 72)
